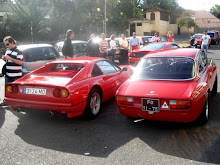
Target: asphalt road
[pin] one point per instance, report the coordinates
(34, 138)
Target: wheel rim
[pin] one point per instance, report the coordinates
(207, 110)
(95, 103)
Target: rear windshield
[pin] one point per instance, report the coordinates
(153, 46)
(165, 68)
(66, 67)
(163, 39)
(40, 53)
(197, 36)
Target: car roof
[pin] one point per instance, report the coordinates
(23, 47)
(82, 60)
(187, 52)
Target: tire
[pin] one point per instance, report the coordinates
(215, 87)
(204, 116)
(93, 106)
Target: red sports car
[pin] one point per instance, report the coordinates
(170, 85)
(74, 86)
(136, 55)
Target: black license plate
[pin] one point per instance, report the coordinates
(152, 105)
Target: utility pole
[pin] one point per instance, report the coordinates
(105, 17)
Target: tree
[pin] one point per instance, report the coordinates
(186, 20)
(18, 23)
(215, 10)
(168, 5)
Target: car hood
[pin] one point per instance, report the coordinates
(157, 89)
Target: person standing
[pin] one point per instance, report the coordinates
(13, 58)
(103, 46)
(113, 46)
(205, 42)
(170, 36)
(123, 59)
(134, 42)
(93, 47)
(155, 38)
(67, 49)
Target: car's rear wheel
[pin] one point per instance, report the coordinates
(204, 116)
(215, 87)
(93, 106)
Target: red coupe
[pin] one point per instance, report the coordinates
(136, 55)
(170, 85)
(74, 86)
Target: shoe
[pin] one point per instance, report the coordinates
(3, 104)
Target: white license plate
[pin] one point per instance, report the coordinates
(35, 91)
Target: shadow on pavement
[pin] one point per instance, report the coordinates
(111, 131)
(2, 116)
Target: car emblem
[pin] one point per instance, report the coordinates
(20, 90)
(151, 92)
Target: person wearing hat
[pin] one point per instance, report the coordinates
(134, 42)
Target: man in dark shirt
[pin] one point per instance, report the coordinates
(67, 49)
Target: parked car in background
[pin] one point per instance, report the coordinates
(136, 55)
(75, 87)
(214, 37)
(36, 56)
(170, 85)
(79, 48)
(196, 40)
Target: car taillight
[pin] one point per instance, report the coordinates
(132, 54)
(125, 100)
(179, 104)
(60, 92)
(12, 89)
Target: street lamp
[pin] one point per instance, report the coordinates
(105, 16)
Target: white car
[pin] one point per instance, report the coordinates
(79, 48)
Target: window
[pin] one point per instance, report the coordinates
(153, 47)
(201, 65)
(40, 53)
(139, 24)
(96, 71)
(174, 46)
(165, 68)
(152, 16)
(106, 67)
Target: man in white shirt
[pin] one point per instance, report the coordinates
(123, 59)
(205, 42)
(134, 42)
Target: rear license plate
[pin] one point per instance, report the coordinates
(152, 105)
(35, 91)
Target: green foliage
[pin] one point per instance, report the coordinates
(215, 10)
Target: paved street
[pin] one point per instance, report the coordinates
(35, 138)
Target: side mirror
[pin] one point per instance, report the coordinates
(125, 69)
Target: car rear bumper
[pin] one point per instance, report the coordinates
(183, 116)
(69, 108)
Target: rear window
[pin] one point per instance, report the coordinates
(66, 67)
(79, 47)
(197, 36)
(163, 39)
(153, 46)
(165, 68)
(40, 53)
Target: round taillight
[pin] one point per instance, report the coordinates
(64, 93)
(12, 89)
(9, 88)
(56, 92)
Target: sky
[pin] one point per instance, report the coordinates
(198, 4)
